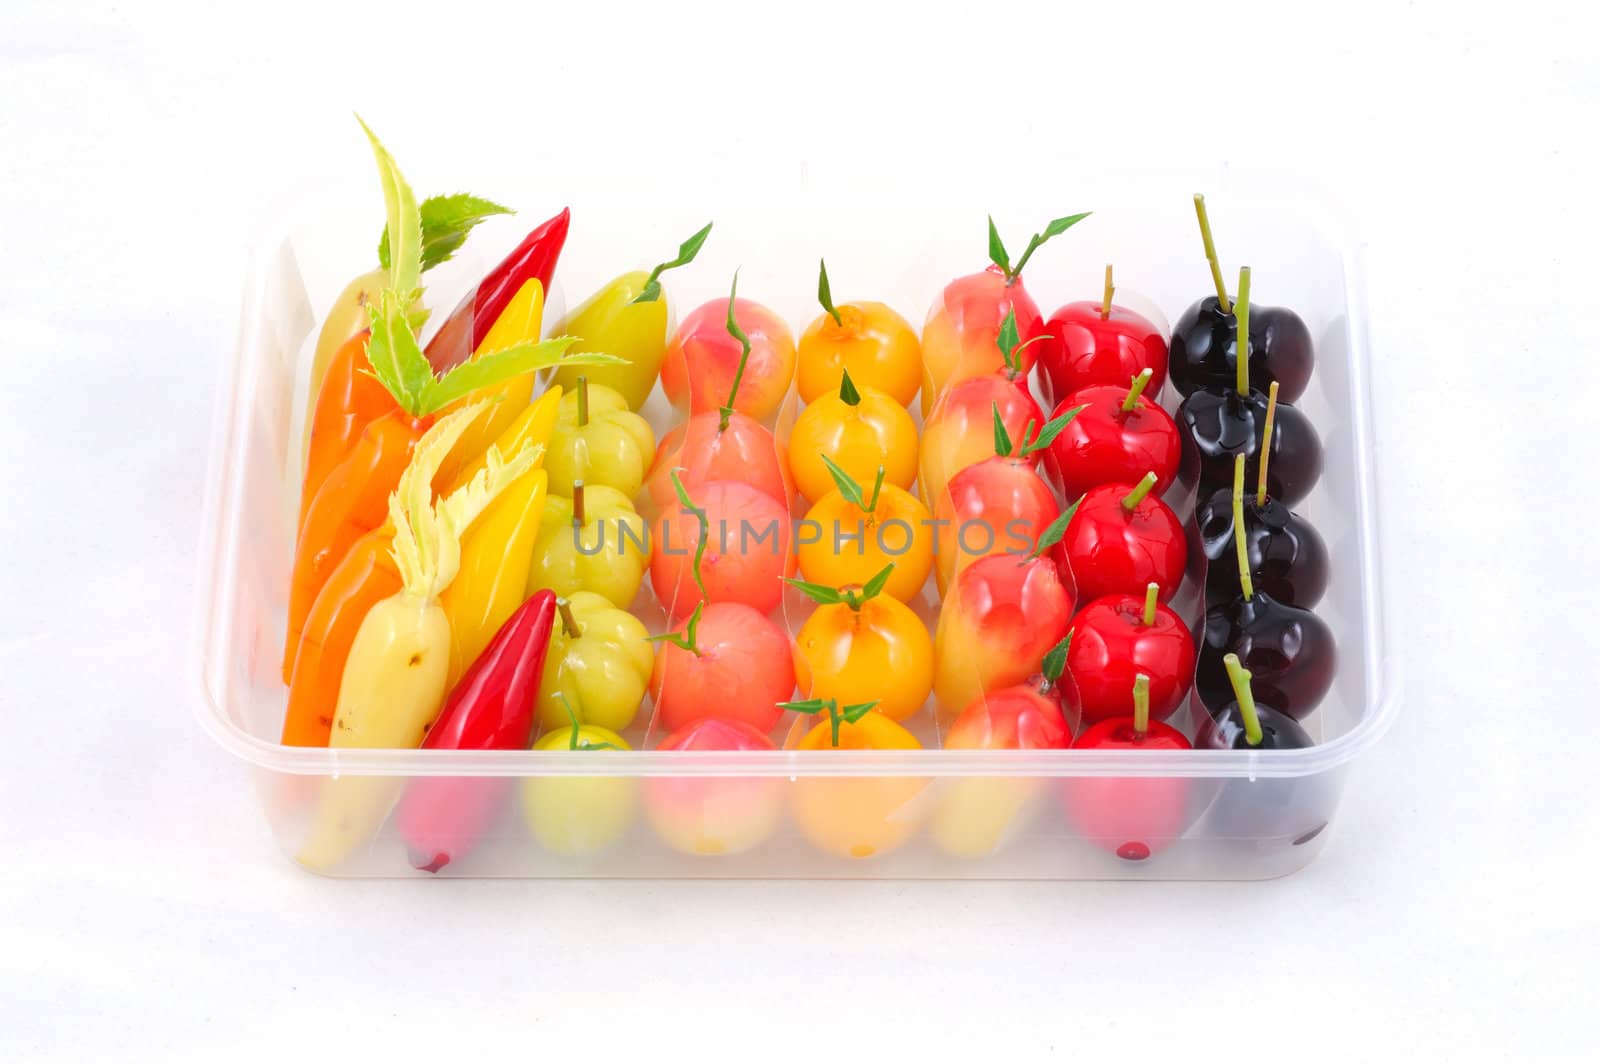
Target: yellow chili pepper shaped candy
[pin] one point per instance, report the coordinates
(397, 673)
(532, 427)
(629, 318)
(593, 541)
(598, 440)
(493, 581)
(518, 323)
(599, 665)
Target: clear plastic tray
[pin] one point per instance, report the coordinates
(252, 501)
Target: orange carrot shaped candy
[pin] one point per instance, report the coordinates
(367, 574)
(351, 500)
(396, 674)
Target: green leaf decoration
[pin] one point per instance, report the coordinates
(825, 295)
(854, 713)
(492, 367)
(1056, 227)
(997, 250)
(1055, 530)
(847, 390)
(845, 483)
(1002, 438)
(1009, 339)
(879, 580)
(395, 356)
(403, 221)
(686, 253)
(446, 221)
(1055, 662)
(818, 593)
(1051, 430)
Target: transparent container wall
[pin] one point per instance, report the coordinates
(1204, 815)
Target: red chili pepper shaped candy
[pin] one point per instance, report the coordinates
(469, 323)
(442, 818)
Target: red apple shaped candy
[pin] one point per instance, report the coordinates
(1000, 616)
(960, 429)
(996, 506)
(1117, 438)
(714, 814)
(729, 662)
(1094, 343)
(725, 542)
(711, 446)
(1120, 637)
(732, 353)
(1122, 538)
(959, 337)
(1132, 816)
(976, 815)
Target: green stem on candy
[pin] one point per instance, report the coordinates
(1266, 444)
(1141, 703)
(1105, 301)
(1211, 253)
(825, 293)
(1246, 585)
(685, 640)
(744, 356)
(1136, 389)
(575, 741)
(686, 253)
(1241, 359)
(877, 489)
(1152, 592)
(1239, 676)
(1131, 501)
(699, 513)
(583, 401)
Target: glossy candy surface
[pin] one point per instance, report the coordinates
(1087, 349)
(739, 669)
(702, 359)
(1218, 423)
(1286, 555)
(1112, 550)
(1111, 645)
(1205, 341)
(871, 341)
(1105, 444)
(1290, 652)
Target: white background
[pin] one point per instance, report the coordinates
(143, 907)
